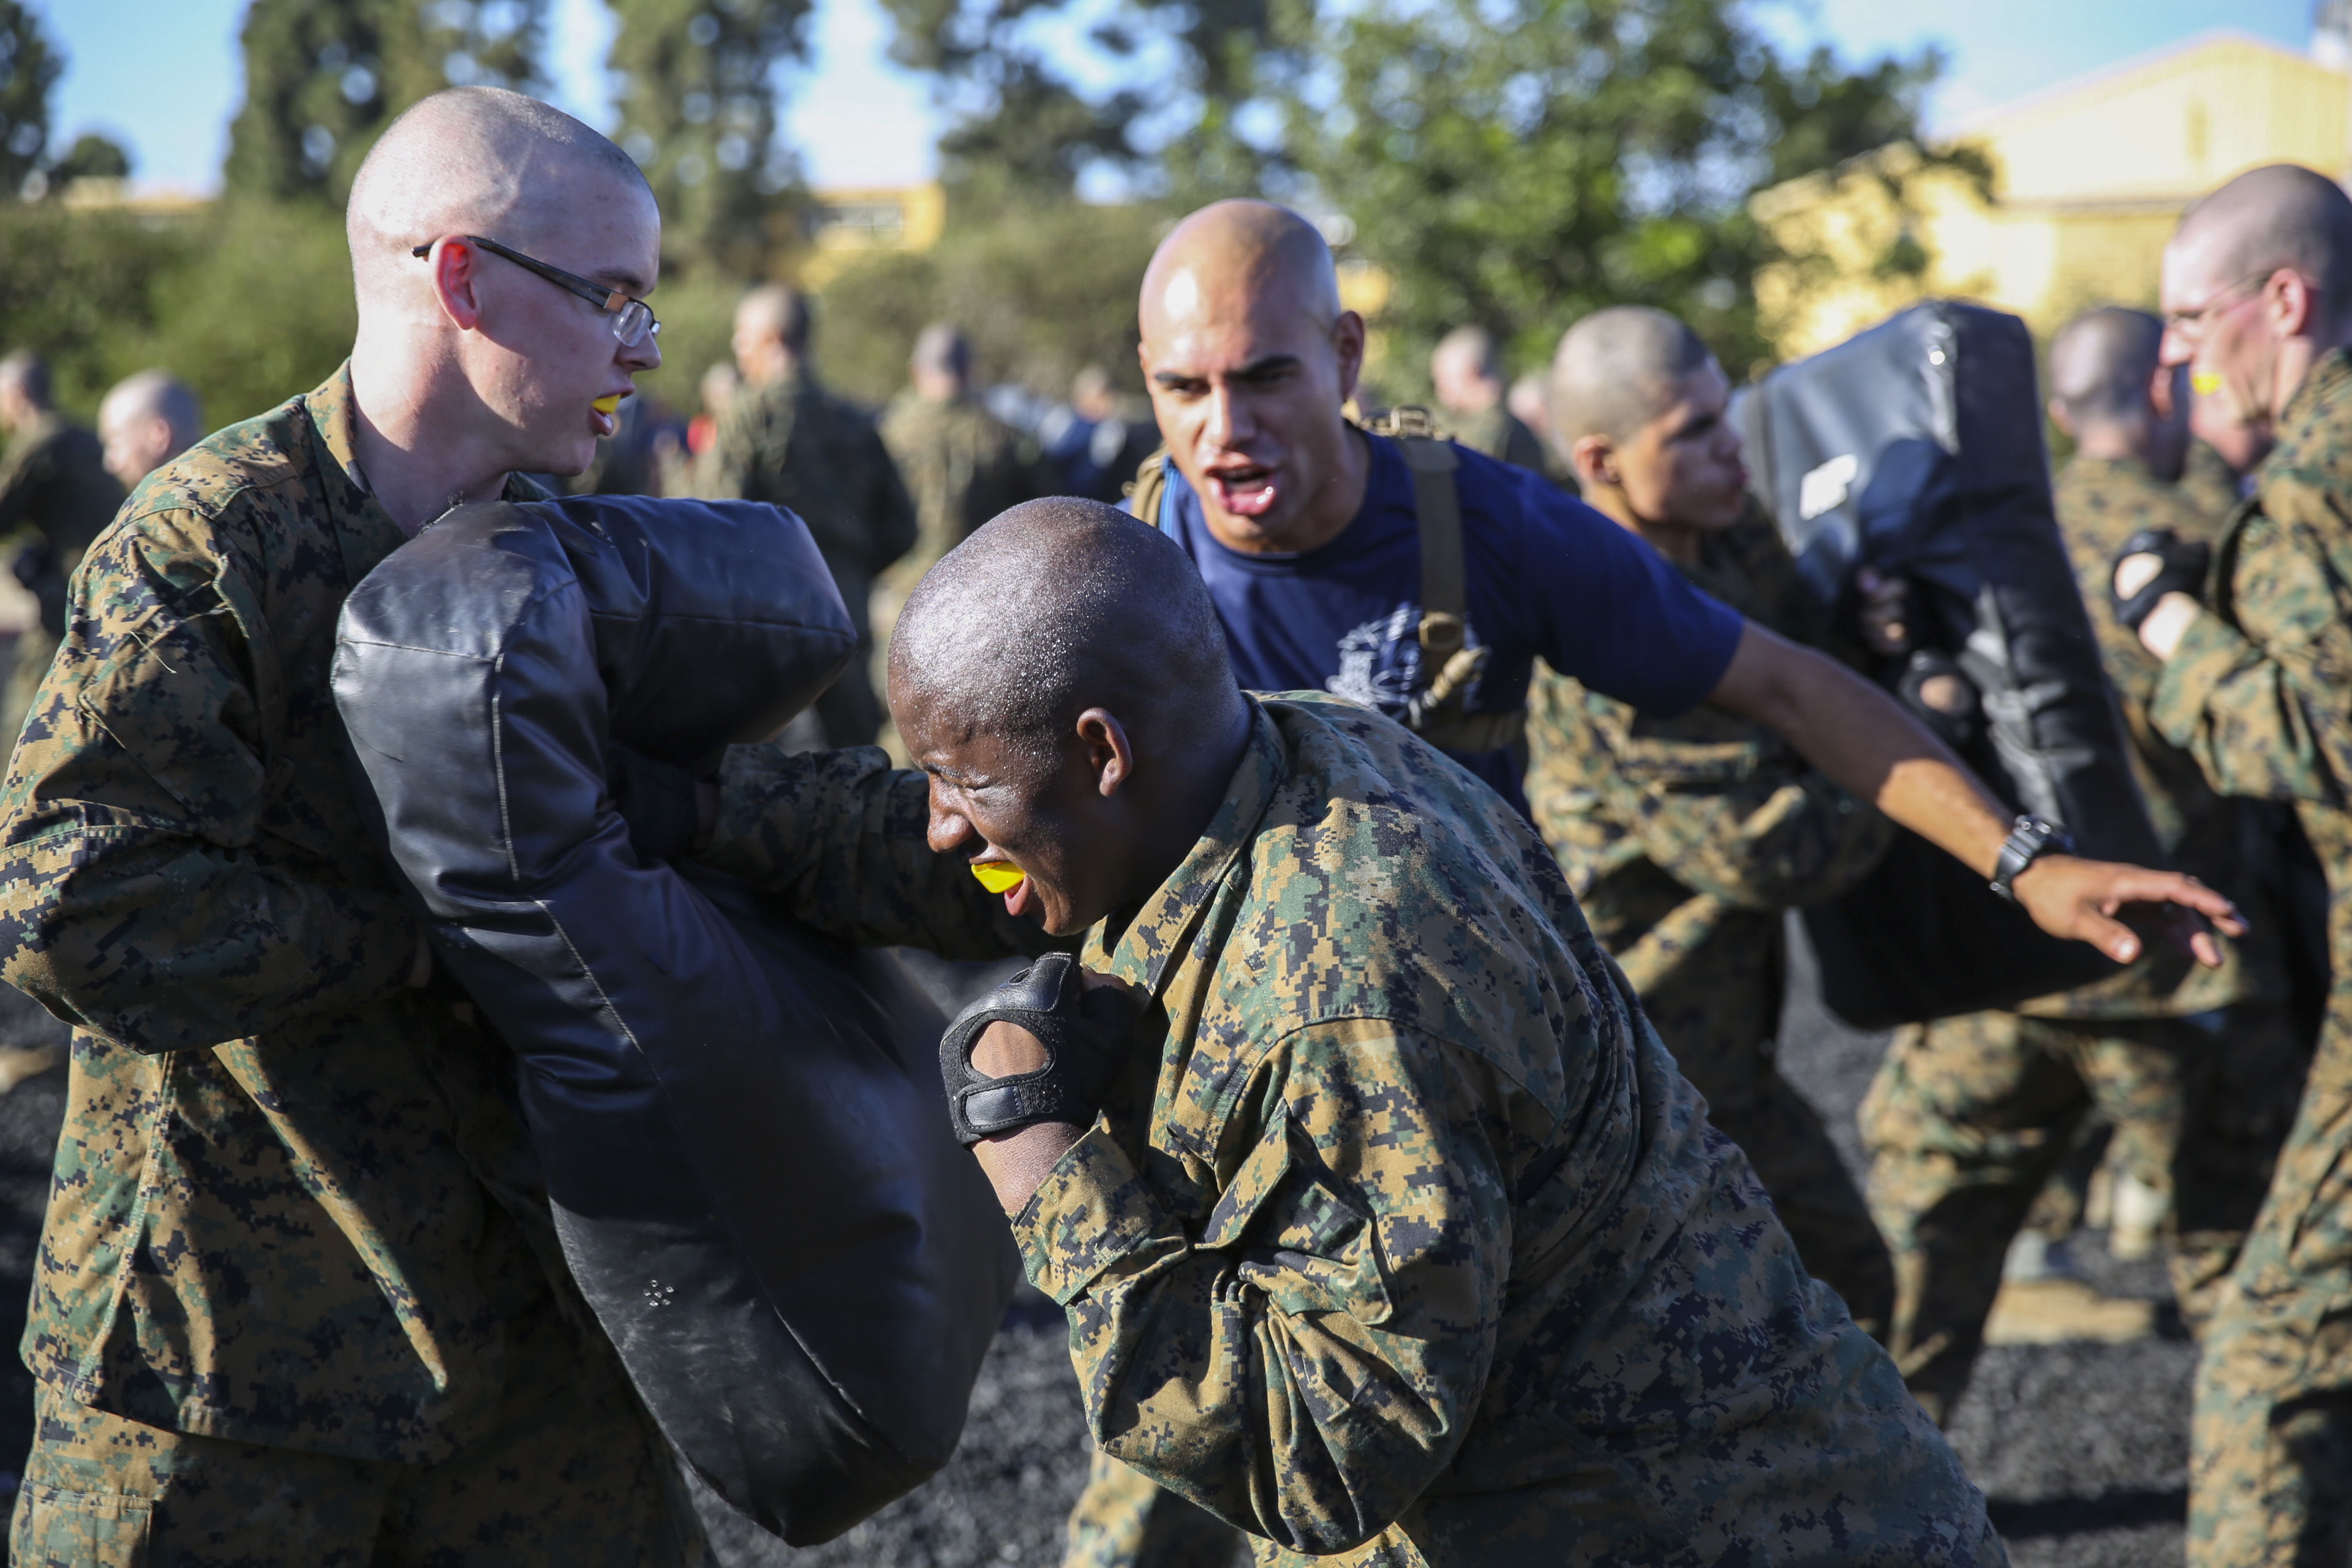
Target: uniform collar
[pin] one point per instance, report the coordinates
(2324, 387)
(1143, 952)
(363, 530)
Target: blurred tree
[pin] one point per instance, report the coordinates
(29, 67)
(91, 157)
(1518, 164)
(323, 78)
(79, 287)
(699, 115)
(1041, 288)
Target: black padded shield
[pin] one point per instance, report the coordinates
(1917, 447)
(740, 1119)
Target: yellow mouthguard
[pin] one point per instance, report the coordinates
(998, 876)
(2205, 383)
(604, 406)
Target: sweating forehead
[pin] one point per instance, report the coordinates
(1235, 261)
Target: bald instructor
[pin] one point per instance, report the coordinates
(2256, 650)
(298, 1298)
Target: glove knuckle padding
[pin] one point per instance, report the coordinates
(754, 1185)
(1085, 1033)
(2182, 564)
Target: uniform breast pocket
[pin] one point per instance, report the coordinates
(1298, 1234)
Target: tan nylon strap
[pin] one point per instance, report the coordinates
(1145, 491)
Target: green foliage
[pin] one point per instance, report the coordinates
(29, 68)
(699, 115)
(1042, 290)
(91, 157)
(323, 78)
(250, 304)
(1519, 163)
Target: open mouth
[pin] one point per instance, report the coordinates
(1246, 491)
(608, 410)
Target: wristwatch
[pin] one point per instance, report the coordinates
(2026, 842)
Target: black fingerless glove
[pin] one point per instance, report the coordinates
(2186, 562)
(1085, 1034)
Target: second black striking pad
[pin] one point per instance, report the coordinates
(740, 1120)
(1917, 448)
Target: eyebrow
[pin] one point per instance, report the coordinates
(627, 283)
(1266, 366)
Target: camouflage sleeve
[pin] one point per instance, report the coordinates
(1304, 1360)
(839, 836)
(2267, 718)
(131, 900)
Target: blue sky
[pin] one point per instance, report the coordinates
(162, 76)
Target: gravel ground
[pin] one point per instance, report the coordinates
(2082, 1449)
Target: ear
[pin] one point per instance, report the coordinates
(2061, 418)
(1348, 344)
(1109, 759)
(2289, 302)
(454, 285)
(1594, 457)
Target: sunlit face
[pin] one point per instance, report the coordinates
(543, 358)
(1247, 385)
(1683, 468)
(2221, 326)
(993, 802)
(138, 441)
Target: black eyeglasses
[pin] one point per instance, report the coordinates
(632, 320)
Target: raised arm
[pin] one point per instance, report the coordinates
(1862, 740)
(839, 836)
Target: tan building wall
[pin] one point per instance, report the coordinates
(2088, 180)
(846, 223)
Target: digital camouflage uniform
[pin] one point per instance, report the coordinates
(794, 444)
(297, 1299)
(2210, 484)
(1686, 839)
(2260, 691)
(54, 496)
(1969, 1117)
(1400, 1238)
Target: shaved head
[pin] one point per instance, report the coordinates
(27, 374)
(1239, 249)
(2280, 216)
(1250, 358)
(476, 160)
(773, 310)
(1618, 369)
(943, 351)
(147, 420)
(1468, 351)
(2102, 364)
(1054, 607)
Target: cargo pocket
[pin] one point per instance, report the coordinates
(54, 1528)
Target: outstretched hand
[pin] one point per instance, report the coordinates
(2079, 900)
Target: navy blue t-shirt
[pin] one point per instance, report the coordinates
(1547, 574)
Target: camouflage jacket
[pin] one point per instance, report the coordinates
(2259, 690)
(1400, 1228)
(2101, 504)
(965, 465)
(272, 1217)
(2210, 483)
(54, 482)
(794, 444)
(1686, 838)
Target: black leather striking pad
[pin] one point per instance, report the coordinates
(740, 1120)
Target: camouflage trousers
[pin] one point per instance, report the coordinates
(1124, 1521)
(574, 1476)
(1969, 1117)
(2270, 1470)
